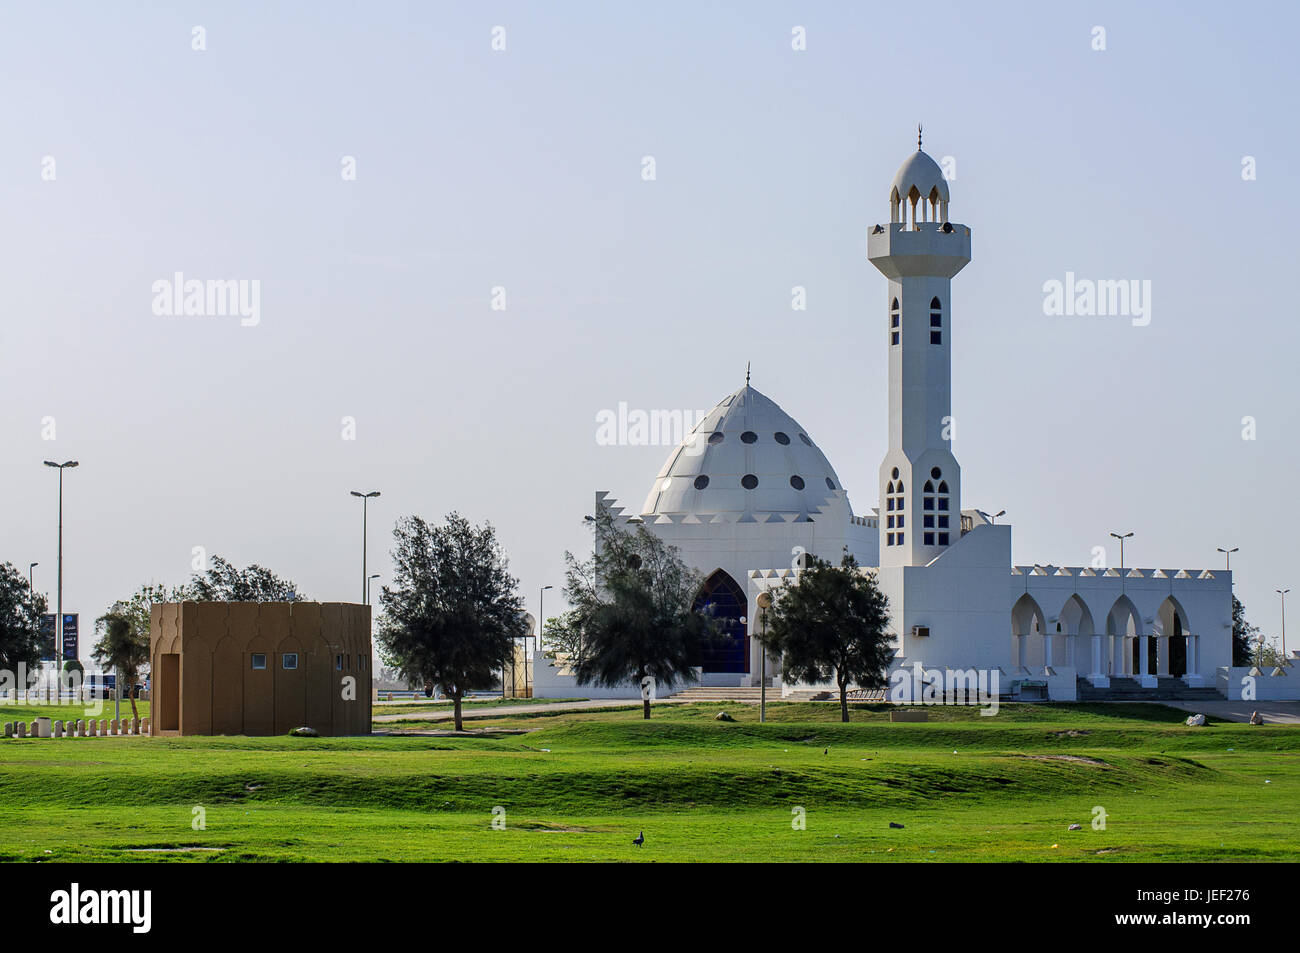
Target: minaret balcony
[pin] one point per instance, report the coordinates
(928, 249)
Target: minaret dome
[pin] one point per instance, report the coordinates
(919, 185)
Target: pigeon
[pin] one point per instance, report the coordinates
(826, 750)
(639, 839)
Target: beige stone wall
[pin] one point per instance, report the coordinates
(203, 681)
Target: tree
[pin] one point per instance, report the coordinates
(122, 648)
(20, 615)
(138, 607)
(561, 637)
(453, 612)
(224, 583)
(1244, 635)
(137, 611)
(832, 622)
(632, 614)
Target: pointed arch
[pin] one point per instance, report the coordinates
(1028, 625)
(1076, 618)
(721, 597)
(1171, 620)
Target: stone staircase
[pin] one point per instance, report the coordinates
(713, 693)
(1128, 690)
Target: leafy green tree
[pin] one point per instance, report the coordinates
(137, 608)
(123, 648)
(632, 612)
(1244, 635)
(833, 622)
(453, 611)
(20, 615)
(226, 583)
(560, 637)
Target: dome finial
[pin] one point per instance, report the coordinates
(918, 137)
(747, 373)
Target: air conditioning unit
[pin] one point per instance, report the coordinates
(921, 631)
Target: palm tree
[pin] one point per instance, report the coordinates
(121, 648)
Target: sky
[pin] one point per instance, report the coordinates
(446, 324)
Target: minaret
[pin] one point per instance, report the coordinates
(919, 251)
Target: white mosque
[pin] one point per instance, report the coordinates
(748, 492)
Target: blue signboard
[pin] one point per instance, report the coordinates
(45, 637)
(70, 636)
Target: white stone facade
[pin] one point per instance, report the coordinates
(748, 491)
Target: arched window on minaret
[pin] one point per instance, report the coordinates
(936, 321)
(943, 515)
(894, 202)
(895, 323)
(894, 503)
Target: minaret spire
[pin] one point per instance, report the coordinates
(918, 137)
(747, 373)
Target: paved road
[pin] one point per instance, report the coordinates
(475, 712)
(1273, 713)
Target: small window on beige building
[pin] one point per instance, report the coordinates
(289, 659)
(338, 662)
(259, 659)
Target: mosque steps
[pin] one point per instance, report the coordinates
(723, 693)
(1128, 690)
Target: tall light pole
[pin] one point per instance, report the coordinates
(365, 502)
(1121, 547)
(541, 619)
(764, 603)
(31, 599)
(1228, 555)
(58, 619)
(1282, 593)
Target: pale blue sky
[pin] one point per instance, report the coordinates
(522, 169)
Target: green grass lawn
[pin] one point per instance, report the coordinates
(581, 785)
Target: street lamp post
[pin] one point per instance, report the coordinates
(365, 580)
(1121, 547)
(374, 575)
(1227, 553)
(541, 619)
(58, 619)
(994, 518)
(31, 589)
(1282, 593)
(764, 603)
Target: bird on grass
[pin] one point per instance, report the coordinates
(639, 839)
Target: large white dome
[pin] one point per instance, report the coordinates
(748, 459)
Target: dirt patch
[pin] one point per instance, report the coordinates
(545, 828)
(1069, 733)
(173, 850)
(1074, 758)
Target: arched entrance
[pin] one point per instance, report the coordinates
(1171, 623)
(1028, 631)
(723, 599)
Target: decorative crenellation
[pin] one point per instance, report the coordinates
(1036, 570)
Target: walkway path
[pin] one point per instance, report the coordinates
(496, 711)
(1273, 713)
